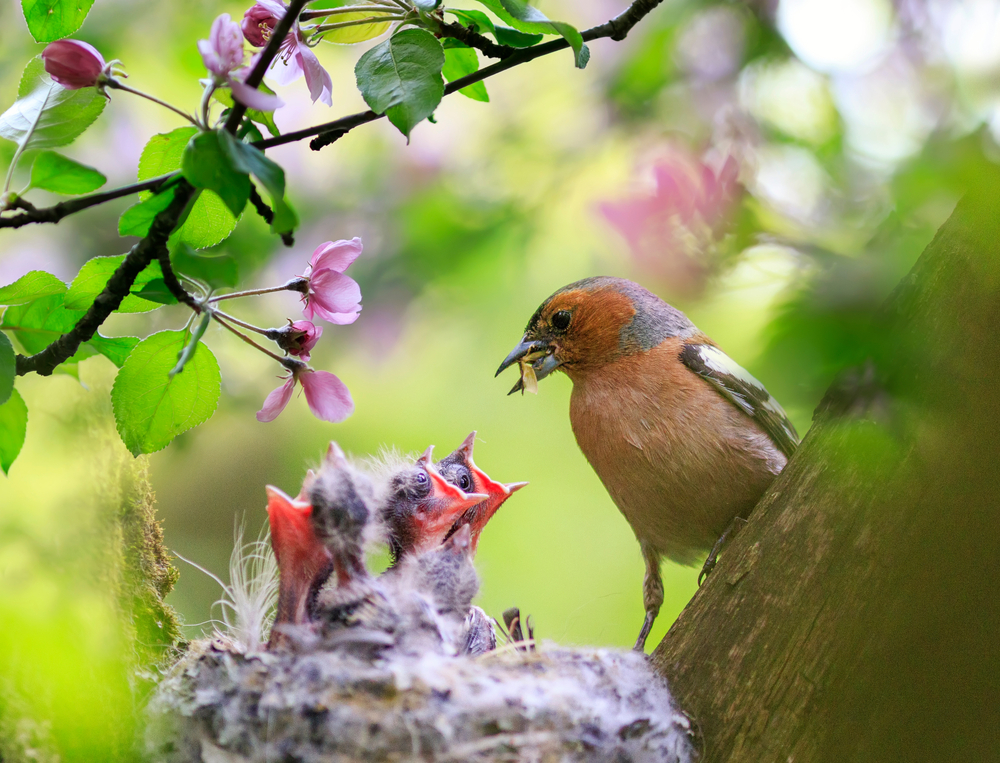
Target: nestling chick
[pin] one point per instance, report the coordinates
(683, 438)
(343, 501)
(304, 563)
(446, 579)
(460, 470)
(421, 509)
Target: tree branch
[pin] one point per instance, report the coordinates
(329, 132)
(117, 288)
(63, 209)
(615, 29)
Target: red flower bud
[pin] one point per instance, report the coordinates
(73, 64)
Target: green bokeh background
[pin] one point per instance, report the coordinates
(466, 231)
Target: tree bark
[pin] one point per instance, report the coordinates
(856, 616)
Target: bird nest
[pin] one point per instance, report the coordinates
(357, 701)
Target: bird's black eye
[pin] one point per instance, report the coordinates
(421, 478)
(465, 483)
(560, 321)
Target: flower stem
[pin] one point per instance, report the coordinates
(358, 22)
(386, 7)
(117, 85)
(247, 339)
(289, 286)
(238, 322)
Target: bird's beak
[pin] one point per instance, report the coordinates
(539, 353)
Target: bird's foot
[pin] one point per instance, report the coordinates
(713, 555)
(647, 625)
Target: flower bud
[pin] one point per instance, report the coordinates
(298, 338)
(257, 25)
(73, 64)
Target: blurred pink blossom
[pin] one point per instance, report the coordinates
(673, 232)
(73, 63)
(295, 57)
(223, 54)
(333, 296)
(327, 396)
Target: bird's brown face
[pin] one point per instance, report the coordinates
(575, 330)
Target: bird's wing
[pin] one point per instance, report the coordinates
(742, 390)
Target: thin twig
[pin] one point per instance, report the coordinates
(473, 39)
(247, 339)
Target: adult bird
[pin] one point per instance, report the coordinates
(683, 438)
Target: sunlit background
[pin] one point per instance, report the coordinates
(854, 126)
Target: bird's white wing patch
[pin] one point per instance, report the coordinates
(744, 391)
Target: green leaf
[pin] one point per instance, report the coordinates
(354, 34)
(50, 20)
(31, 286)
(13, 427)
(157, 291)
(8, 365)
(265, 118)
(93, 277)
(151, 408)
(137, 219)
(459, 61)
(55, 172)
(527, 18)
(39, 323)
(206, 165)
(504, 35)
(114, 348)
(209, 221)
(246, 158)
(214, 271)
(401, 77)
(45, 114)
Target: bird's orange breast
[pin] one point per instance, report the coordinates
(678, 459)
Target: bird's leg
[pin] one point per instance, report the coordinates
(652, 593)
(709, 565)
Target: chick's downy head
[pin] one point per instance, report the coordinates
(422, 507)
(591, 323)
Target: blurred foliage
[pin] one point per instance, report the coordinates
(847, 170)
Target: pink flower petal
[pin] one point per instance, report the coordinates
(328, 397)
(254, 98)
(317, 78)
(275, 402)
(287, 66)
(336, 255)
(333, 292)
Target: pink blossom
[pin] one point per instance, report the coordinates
(333, 296)
(73, 63)
(223, 54)
(327, 396)
(673, 232)
(294, 58)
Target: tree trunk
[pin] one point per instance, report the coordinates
(856, 616)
